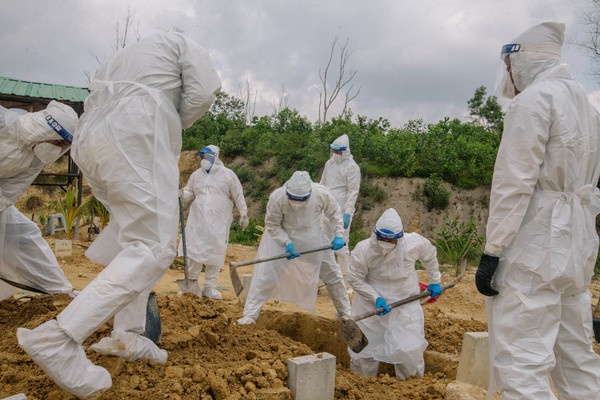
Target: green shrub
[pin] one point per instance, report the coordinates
(437, 196)
(455, 240)
(248, 237)
(33, 202)
(356, 236)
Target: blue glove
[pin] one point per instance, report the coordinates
(290, 249)
(435, 289)
(380, 302)
(346, 218)
(338, 243)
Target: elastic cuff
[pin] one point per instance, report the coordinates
(492, 250)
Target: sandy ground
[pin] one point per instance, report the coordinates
(210, 357)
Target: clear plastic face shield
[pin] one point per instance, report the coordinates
(337, 151)
(207, 158)
(49, 151)
(504, 86)
(297, 201)
(386, 239)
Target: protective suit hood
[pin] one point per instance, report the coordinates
(299, 186)
(217, 162)
(539, 50)
(34, 127)
(339, 143)
(388, 226)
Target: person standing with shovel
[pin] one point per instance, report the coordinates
(382, 271)
(293, 224)
(212, 191)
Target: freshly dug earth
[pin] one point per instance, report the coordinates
(210, 357)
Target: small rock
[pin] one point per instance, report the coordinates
(212, 338)
(177, 388)
(250, 355)
(194, 330)
(174, 372)
(250, 387)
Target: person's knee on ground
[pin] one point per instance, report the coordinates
(364, 366)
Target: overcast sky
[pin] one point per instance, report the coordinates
(415, 59)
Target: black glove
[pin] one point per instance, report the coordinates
(485, 272)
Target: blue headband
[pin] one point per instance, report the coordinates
(387, 234)
(296, 197)
(337, 147)
(62, 132)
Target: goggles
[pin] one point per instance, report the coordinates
(208, 154)
(336, 147)
(56, 127)
(387, 234)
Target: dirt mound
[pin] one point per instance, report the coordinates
(210, 357)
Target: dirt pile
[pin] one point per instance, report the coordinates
(210, 357)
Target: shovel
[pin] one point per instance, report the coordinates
(235, 278)
(356, 339)
(29, 286)
(184, 284)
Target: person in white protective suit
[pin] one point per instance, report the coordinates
(28, 142)
(127, 144)
(342, 177)
(292, 225)
(541, 241)
(211, 190)
(382, 271)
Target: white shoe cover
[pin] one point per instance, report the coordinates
(246, 321)
(131, 346)
(212, 294)
(64, 360)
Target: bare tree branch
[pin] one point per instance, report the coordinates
(590, 42)
(282, 101)
(342, 80)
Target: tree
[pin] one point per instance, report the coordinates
(590, 42)
(248, 96)
(122, 36)
(486, 112)
(343, 79)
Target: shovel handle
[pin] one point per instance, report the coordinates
(183, 244)
(403, 301)
(280, 256)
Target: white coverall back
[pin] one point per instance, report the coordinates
(543, 207)
(127, 145)
(397, 337)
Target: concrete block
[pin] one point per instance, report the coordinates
(473, 364)
(245, 279)
(312, 377)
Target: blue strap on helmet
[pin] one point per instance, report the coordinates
(387, 234)
(510, 48)
(296, 197)
(337, 147)
(62, 132)
(207, 152)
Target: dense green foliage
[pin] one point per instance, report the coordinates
(461, 153)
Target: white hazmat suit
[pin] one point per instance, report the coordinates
(342, 177)
(397, 337)
(127, 145)
(297, 222)
(23, 251)
(541, 225)
(212, 193)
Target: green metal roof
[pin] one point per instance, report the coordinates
(42, 90)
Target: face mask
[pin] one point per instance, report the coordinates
(205, 164)
(47, 152)
(386, 247)
(337, 157)
(295, 204)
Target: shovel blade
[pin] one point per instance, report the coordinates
(352, 335)
(188, 286)
(235, 280)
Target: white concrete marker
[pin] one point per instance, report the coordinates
(312, 377)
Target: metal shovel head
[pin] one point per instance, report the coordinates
(352, 335)
(235, 280)
(153, 330)
(30, 287)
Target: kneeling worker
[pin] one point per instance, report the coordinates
(382, 271)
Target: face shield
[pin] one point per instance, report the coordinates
(337, 151)
(504, 85)
(49, 151)
(207, 158)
